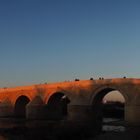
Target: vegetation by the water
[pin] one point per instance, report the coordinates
(113, 109)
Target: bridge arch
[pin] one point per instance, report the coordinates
(20, 106)
(98, 96)
(57, 105)
(99, 93)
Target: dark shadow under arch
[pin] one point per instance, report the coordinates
(57, 106)
(20, 106)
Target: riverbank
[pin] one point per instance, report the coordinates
(45, 130)
(42, 130)
(131, 133)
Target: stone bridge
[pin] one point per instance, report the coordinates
(71, 100)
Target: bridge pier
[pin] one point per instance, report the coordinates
(36, 109)
(85, 114)
(43, 112)
(132, 114)
(79, 112)
(6, 109)
(34, 112)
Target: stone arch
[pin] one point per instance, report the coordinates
(103, 90)
(20, 106)
(6, 108)
(55, 96)
(99, 94)
(57, 105)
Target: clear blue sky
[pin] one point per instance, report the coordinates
(56, 40)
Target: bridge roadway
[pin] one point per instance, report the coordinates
(71, 100)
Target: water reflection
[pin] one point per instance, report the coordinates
(113, 128)
(21, 129)
(113, 124)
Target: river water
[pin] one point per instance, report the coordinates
(20, 129)
(112, 124)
